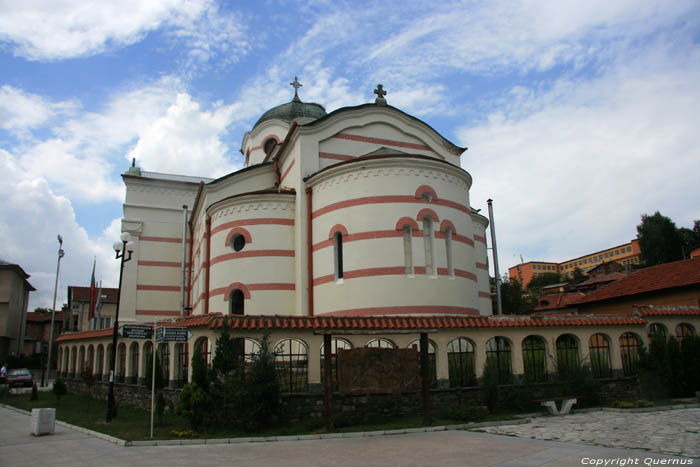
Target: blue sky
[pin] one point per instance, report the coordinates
(579, 116)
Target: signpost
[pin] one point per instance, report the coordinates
(136, 331)
(164, 334)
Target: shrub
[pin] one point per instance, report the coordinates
(489, 382)
(59, 389)
(200, 372)
(160, 407)
(263, 388)
(194, 404)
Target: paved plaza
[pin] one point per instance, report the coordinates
(674, 432)
(444, 448)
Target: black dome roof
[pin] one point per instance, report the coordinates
(293, 110)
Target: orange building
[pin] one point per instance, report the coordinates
(626, 255)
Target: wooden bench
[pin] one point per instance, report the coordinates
(567, 402)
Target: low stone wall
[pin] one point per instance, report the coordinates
(297, 407)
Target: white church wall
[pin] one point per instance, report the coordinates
(254, 141)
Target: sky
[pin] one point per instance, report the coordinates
(579, 116)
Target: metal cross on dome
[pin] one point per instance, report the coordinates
(296, 85)
(380, 92)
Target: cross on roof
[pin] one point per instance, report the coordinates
(380, 92)
(296, 85)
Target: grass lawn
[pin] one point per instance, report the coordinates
(134, 424)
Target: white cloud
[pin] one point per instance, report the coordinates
(21, 111)
(60, 29)
(186, 140)
(42, 215)
(571, 168)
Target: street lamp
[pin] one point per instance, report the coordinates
(53, 309)
(120, 248)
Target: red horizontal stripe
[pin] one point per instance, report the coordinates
(162, 288)
(479, 238)
(337, 157)
(361, 236)
(482, 266)
(388, 271)
(405, 310)
(462, 239)
(484, 294)
(260, 286)
(165, 264)
(252, 254)
(384, 200)
(389, 142)
(160, 239)
(157, 312)
(256, 221)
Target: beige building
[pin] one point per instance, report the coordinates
(356, 224)
(14, 300)
(79, 306)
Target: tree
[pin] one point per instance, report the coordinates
(578, 275)
(542, 280)
(513, 299)
(690, 238)
(659, 240)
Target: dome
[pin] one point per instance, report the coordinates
(293, 110)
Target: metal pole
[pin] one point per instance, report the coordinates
(184, 258)
(113, 356)
(53, 311)
(494, 250)
(153, 373)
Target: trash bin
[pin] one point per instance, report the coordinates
(43, 421)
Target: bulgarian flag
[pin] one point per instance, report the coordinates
(93, 292)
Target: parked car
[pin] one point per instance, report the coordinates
(19, 377)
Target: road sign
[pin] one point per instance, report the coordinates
(136, 331)
(173, 334)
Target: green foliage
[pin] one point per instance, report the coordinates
(263, 388)
(577, 380)
(690, 364)
(578, 275)
(489, 382)
(200, 372)
(160, 407)
(515, 398)
(670, 369)
(227, 356)
(464, 413)
(659, 239)
(59, 389)
(160, 383)
(514, 300)
(542, 280)
(194, 404)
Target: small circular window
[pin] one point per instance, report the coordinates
(269, 144)
(238, 242)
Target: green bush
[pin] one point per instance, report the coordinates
(670, 369)
(200, 372)
(194, 404)
(59, 389)
(489, 382)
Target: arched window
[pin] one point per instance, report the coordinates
(74, 360)
(599, 354)
(146, 361)
(381, 343)
(654, 330)
(338, 250)
(270, 143)
(428, 242)
(460, 362)
(682, 330)
(99, 361)
(121, 362)
(164, 351)
(336, 343)
(203, 345)
(90, 358)
(432, 365)
(567, 354)
(237, 302)
(498, 354)
(291, 361)
(629, 351)
(408, 249)
(134, 350)
(237, 242)
(448, 251)
(81, 359)
(534, 359)
(182, 360)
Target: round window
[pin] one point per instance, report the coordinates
(238, 242)
(269, 144)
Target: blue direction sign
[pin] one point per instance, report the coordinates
(173, 335)
(136, 331)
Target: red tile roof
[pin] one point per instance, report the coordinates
(45, 317)
(560, 300)
(655, 278)
(666, 310)
(82, 294)
(321, 323)
(613, 276)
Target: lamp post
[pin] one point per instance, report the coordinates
(53, 310)
(120, 248)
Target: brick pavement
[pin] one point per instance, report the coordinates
(675, 432)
